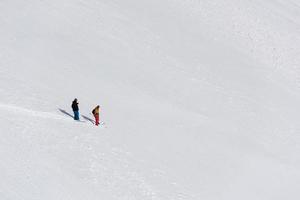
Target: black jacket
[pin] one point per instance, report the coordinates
(75, 106)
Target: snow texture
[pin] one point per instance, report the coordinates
(200, 99)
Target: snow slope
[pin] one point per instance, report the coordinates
(200, 98)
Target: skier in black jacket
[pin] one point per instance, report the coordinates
(75, 109)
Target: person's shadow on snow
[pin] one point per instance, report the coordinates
(84, 116)
(88, 119)
(66, 113)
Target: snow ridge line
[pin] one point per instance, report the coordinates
(29, 112)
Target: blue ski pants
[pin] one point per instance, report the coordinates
(76, 115)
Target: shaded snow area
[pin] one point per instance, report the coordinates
(200, 99)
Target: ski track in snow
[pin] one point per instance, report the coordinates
(33, 113)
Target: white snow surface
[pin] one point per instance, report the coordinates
(200, 99)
